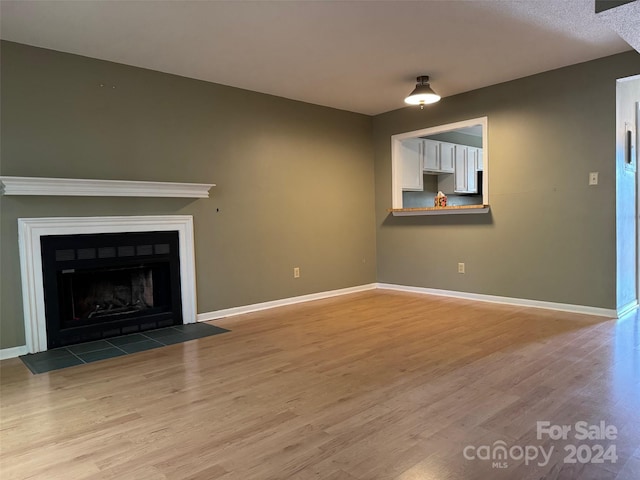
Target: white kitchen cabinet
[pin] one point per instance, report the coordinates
(411, 152)
(480, 163)
(472, 169)
(447, 154)
(473, 155)
(464, 178)
(456, 165)
(438, 157)
(460, 170)
(431, 151)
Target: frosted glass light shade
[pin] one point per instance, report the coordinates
(422, 94)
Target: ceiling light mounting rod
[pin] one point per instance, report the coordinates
(423, 94)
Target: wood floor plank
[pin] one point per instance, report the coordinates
(369, 386)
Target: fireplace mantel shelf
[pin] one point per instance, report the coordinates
(78, 187)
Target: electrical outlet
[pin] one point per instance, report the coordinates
(593, 178)
(296, 272)
(460, 267)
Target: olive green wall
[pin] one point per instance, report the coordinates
(295, 183)
(549, 236)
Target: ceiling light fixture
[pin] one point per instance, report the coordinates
(422, 95)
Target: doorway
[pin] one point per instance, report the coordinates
(627, 197)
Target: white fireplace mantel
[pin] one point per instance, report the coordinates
(79, 187)
(31, 229)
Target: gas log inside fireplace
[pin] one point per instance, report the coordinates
(103, 285)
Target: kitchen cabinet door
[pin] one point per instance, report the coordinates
(412, 165)
(472, 164)
(461, 178)
(431, 151)
(447, 154)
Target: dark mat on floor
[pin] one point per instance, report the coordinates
(114, 347)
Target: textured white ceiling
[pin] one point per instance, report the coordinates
(361, 56)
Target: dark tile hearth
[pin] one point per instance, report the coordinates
(114, 347)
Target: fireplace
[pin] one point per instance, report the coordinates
(103, 285)
(85, 278)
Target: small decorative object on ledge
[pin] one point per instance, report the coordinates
(440, 200)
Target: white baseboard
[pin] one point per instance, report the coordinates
(563, 307)
(229, 312)
(13, 352)
(628, 308)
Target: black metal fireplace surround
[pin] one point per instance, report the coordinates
(104, 285)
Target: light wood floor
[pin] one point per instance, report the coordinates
(375, 385)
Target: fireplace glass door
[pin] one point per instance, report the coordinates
(98, 295)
